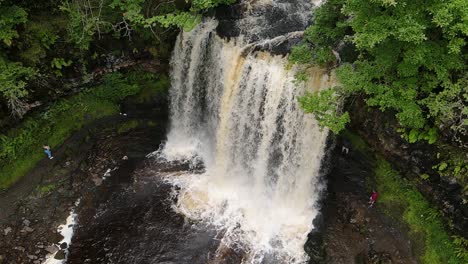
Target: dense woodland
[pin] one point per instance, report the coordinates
(408, 57)
(45, 41)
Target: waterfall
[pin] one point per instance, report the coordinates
(236, 111)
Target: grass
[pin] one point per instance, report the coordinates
(21, 148)
(45, 189)
(127, 126)
(152, 86)
(422, 219)
(401, 200)
(25, 144)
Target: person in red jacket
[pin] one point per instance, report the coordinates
(373, 198)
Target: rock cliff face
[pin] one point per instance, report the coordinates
(412, 160)
(273, 26)
(347, 231)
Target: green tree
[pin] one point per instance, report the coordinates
(13, 80)
(10, 17)
(411, 57)
(184, 19)
(324, 105)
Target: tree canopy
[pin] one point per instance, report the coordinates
(408, 56)
(39, 40)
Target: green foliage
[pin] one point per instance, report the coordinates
(462, 247)
(301, 77)
(328, 28)
(322, 36)
(83, 22)
(127, 126)
(45, 189)
(152, 85)
(301, 54)
(424, 176)
(418, 214)
(401, 200)
(13, 80)
(185, 20)
(428, 134)
(35, 41)
(200, 5)
(324, 106)
(452, 163)
(59, 63)
(21, 148)
(411, 58)
(10, 17)
(46, 39)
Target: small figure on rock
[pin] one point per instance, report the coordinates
(345, 146)
(344, 150)
(373, 198)
(48, 151)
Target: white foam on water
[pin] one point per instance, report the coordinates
(237, 111)
(66, 230)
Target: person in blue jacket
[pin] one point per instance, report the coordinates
(48, 151)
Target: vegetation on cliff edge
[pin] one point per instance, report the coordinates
(21, 148)
(408, 57)
(42, 42)
(401, 200)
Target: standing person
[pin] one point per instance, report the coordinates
(48, 151)
(373, 198)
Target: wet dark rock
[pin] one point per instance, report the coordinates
(55, 237)
(314, 245)
(60, 255)
(52, 249)
(64, 245)
(26, 222)
(258, 21)
(27, 229)
(7, 230)
(373, 258)
(351, 232)
(91, 151)
(380, 258)
(412, 160)
(20, 248)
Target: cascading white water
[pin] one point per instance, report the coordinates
(237, 111)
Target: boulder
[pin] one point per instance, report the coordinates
(60, 255)
(20, 248)
(26, 222)
(55, 237)
(27, 229)
(7, 230)
(380, 258)
(52, 249)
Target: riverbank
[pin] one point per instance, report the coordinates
(21, 148)
(347, 230)
(402, 227)
(33, 208)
